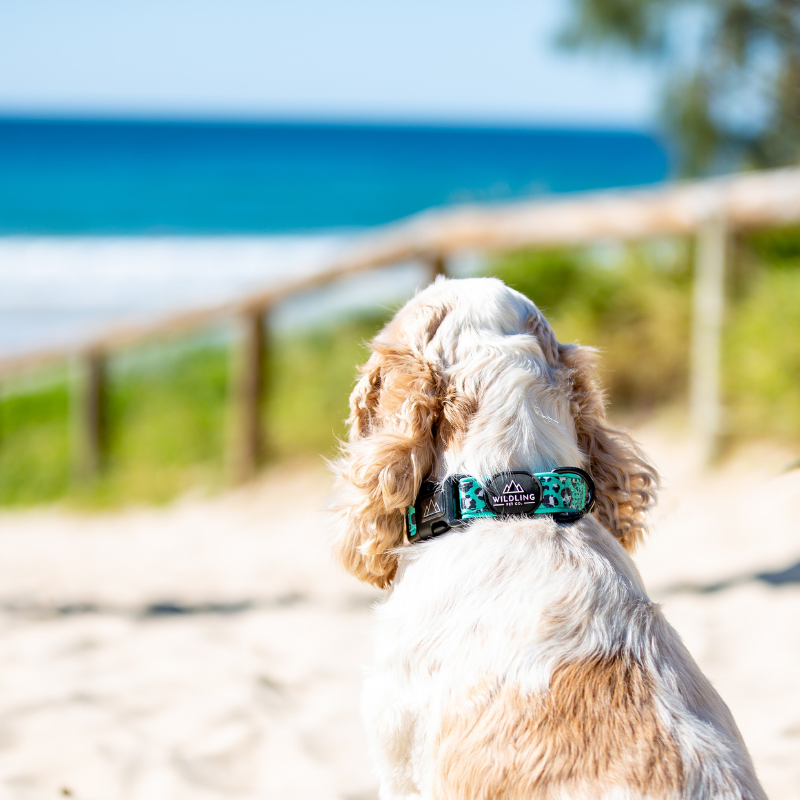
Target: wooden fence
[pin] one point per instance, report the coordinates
(710, 210)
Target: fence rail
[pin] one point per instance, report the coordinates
(710, 210)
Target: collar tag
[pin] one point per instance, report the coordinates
(513, 493)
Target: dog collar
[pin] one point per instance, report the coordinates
(567, 494)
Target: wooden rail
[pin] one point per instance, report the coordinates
(710, 210)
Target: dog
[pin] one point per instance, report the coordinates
(517, 654)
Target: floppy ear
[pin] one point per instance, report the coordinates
(626, 484)
(540, 328)
(393, 411)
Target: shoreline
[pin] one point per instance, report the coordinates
(57, 288)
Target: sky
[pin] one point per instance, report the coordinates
(429, 61)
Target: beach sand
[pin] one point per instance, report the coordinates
(210, 649)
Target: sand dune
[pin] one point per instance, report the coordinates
(211, 649)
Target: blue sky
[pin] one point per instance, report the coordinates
(413, 61)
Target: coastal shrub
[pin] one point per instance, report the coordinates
(169, 417)
(632, 304)
(34, 440)
(166, 411)
(311, 379)
(762, 343)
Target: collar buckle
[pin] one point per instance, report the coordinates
(435, 511)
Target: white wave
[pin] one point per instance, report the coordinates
(56, 289)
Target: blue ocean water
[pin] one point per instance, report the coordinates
(126, 177)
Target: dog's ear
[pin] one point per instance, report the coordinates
(540, 328)
(626, 484)
(393, 411)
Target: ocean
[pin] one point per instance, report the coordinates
(103, 221)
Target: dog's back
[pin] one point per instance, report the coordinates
(522, 659)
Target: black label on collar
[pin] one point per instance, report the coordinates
(513, 493)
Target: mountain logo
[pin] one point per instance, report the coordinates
(513, 488)
(431, 506)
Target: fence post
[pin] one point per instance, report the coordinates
(248, 393)
(89, 413)
(707, 316)
(437, 265)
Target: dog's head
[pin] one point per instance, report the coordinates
(469, 378)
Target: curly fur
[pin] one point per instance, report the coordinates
(514, 657)
(393, 411)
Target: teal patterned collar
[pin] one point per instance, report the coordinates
(567, 494)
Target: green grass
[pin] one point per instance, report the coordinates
(762, 359)
(34, 443)
(761, 364)
(170, 416)
(312, 377)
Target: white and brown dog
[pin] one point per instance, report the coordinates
(515, 657)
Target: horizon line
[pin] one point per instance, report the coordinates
(326, 121)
